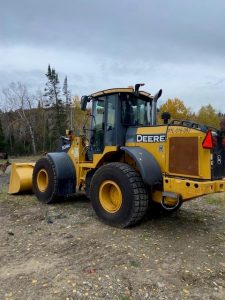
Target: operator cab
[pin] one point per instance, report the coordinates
(113, 111)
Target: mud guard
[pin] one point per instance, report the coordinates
(65, 173)
(146, 163)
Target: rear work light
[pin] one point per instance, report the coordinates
(208, 140)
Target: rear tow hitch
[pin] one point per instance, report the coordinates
(171, 195)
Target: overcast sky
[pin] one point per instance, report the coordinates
(176, 45)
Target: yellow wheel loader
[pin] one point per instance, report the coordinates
(128, 162)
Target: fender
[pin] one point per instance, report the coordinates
(146, 163)
(65, 172)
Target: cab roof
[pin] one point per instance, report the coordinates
(129, 90)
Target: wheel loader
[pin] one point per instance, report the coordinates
(126, 163)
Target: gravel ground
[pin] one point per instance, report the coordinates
(63, 251)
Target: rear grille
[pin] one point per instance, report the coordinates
(183, 155)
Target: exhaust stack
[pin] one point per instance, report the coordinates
(154, 106)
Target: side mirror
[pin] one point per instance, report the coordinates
(84, 101)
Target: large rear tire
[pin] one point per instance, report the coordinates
(45, 181)
(118, 195)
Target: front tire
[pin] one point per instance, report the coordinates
(118, 195)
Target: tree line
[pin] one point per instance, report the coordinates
(206, 115)
(32, 123)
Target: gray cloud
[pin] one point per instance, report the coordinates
(176, 45)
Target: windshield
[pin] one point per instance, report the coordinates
(135, 111)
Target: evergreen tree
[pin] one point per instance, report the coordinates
(2, 138)
(58, 109)
(66, 92)
(52, 89)
(69, 108)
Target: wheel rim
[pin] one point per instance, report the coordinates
(42, 180)
(110, 196)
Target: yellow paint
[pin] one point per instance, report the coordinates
(204, 155)
(42, 180)
(187, 189)
(157, 197)
(130, 89)
(112, 91)
(161, 150)
(98, 159)
(158, 150)
(77, 154)
(21, 178)
(110, 196)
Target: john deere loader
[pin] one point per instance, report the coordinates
(126, 162)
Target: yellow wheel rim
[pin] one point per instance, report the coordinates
(110, 196)
(42, 180)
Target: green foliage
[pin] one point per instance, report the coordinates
(208, 116)
(63, 112)
(52, 89)
(66, 92)
(78, 116)
(176, 108)
(222, 124)
(2, 138)
(57, 114)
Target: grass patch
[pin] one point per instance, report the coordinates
(134, 264)
(123, 297)
(25, 200)
(25, 158)
(216, 199)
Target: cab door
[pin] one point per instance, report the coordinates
(97, 126)
(110, 127)
(103, 125)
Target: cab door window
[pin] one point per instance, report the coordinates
(111, 120)
(98, 122)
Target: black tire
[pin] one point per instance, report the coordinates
(134, 194)
(49, 195)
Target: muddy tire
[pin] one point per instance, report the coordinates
(118, 195)
(54, 177)
(45, 181)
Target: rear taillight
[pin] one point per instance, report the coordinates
(208, 140)
(223, 142)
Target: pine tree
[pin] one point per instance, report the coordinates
(66, 92)
(58, 109)
(52, 89)
(2, 138)
(67, 97)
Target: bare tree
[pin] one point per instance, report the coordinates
(18, 99)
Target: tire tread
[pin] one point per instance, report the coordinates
(139, 193)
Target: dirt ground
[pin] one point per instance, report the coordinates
(63, 251)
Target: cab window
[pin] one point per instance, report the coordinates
(135, 111)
